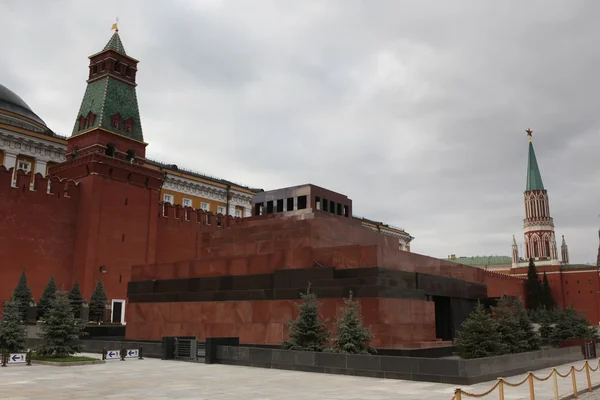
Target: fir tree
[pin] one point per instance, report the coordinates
(547, 299)
(308, 332)
(47, 298)
(546, 331)
(479, 336)
(98, 303)
(531, 337)
(60, 331)
(570, 325)
(534, 287)
(512, 335)
(76, 300)
(23, 296)
(12, 333)
(351, 336)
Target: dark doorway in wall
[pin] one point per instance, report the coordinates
(443, 318)
(117, 311)
(461, 308)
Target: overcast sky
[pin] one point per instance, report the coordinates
(416, 110)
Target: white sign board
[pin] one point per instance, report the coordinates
(132, 353)
(16, 358)
(113, 354)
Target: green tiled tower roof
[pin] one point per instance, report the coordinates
(109, 95)
(115, 44)
(534, 178)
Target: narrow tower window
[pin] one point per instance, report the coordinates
(130, 155)
(110, 150)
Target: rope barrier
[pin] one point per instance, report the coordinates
(500, 383)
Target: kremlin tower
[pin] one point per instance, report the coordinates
(538, 225)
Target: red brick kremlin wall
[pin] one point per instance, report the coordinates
(109, 220)
(577, 287)
(37, 231)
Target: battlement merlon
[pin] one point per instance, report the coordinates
(110, 167)
(23, 182)
(196, 215)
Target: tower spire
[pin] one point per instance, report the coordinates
(564, 251)
(534, 177)
(515, 252)
(115, 41)
(538, 225)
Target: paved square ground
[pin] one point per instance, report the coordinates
(156, 379)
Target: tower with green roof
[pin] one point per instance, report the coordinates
(109, 108)
(538, 225)
(119, 195)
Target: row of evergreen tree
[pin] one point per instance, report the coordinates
(61, 330)
(22, 295)
(309, 332)
(507, 329)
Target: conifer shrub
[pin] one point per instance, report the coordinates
(47, 298)
(76, 299)
(60, 330)
(479, 336)
(308, 332)
(22, 295)
(526, 326)
(351, 336)
(98, 303)
(569, 326)
(12, 332)
(512, 335)
(518, 333)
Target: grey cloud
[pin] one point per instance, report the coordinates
(416, 110)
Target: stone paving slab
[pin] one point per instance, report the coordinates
(154, 379)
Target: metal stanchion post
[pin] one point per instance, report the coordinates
(104, 354)
(458, 394)
(531, 387)
(141, 353)
(587, 375)
(28, 357)
(500, 389)
(572, 372)
(555, 381)
(123, 353)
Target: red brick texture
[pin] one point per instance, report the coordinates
(37, 231)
